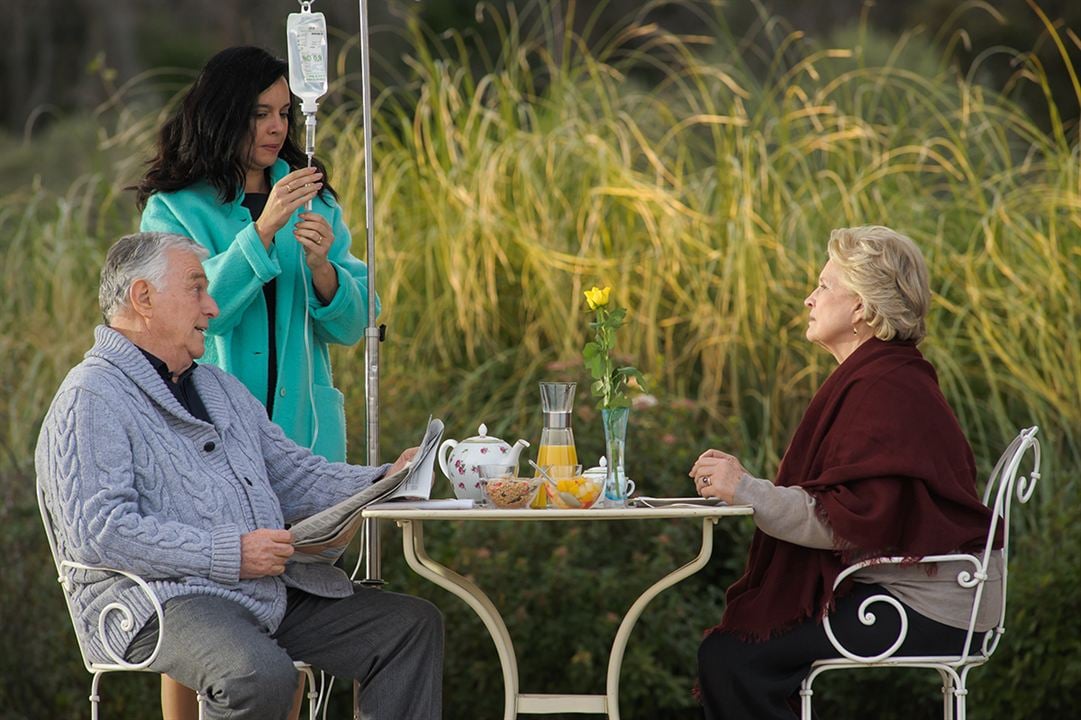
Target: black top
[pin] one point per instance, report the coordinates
(183, 389)
(255, 202)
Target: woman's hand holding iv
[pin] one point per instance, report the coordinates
(288, 194)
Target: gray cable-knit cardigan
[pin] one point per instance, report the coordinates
(132, 481)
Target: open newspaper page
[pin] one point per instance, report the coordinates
(324, 536)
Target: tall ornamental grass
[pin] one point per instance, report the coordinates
(699, 176)
(704, 194)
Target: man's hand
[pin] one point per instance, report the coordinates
(263, 552)
(405, 457)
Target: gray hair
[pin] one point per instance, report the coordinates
(887, 270)
(140, 256)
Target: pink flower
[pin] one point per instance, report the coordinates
(644, 401)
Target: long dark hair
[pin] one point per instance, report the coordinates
(209, 135)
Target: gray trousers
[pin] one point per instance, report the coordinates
(391, 643)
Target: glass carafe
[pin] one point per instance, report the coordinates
(557, 437)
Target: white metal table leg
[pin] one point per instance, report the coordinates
(619, 645)
(417, 559)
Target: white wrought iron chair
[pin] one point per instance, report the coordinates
(65, 570)
(978, 647)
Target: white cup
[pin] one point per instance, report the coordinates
(599, 474)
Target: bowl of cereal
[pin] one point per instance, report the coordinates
(502, 488)
(569, 489)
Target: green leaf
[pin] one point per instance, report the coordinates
(596, 366)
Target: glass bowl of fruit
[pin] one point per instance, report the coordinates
(569, 489)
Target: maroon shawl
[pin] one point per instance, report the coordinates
(892, 473)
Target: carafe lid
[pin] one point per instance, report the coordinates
(557, 396)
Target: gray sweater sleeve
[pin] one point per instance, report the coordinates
(786, 513)
(85, 462)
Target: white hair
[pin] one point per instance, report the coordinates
(141, 256)
(887, 270)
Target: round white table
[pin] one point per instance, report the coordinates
(411, 521)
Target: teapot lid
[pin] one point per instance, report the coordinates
(482, 436)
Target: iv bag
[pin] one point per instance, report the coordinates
(306, 35)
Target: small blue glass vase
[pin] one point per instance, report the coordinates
(615, 448)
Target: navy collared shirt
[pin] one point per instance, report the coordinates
(184, 387)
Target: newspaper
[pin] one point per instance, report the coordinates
(324, 536)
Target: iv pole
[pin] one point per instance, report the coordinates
(373, 334)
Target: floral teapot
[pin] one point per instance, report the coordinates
(461, 461)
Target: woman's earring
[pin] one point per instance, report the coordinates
(855, 331)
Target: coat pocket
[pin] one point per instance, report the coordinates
(330, 416)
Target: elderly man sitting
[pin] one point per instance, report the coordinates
(171, 470)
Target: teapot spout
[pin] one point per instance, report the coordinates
(515, 451)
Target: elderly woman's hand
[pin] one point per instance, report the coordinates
(716, 474)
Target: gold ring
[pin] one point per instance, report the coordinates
(290, 187)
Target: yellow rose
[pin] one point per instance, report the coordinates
(596, 297)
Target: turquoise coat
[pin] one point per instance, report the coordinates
(307, 406)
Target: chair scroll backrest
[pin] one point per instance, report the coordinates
(64, 574)
(1004, 484)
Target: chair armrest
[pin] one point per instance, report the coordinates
(127, 619)
(965, 578)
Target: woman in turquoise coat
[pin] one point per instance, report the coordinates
(230, 174)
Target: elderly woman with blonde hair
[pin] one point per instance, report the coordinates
(878, 466)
